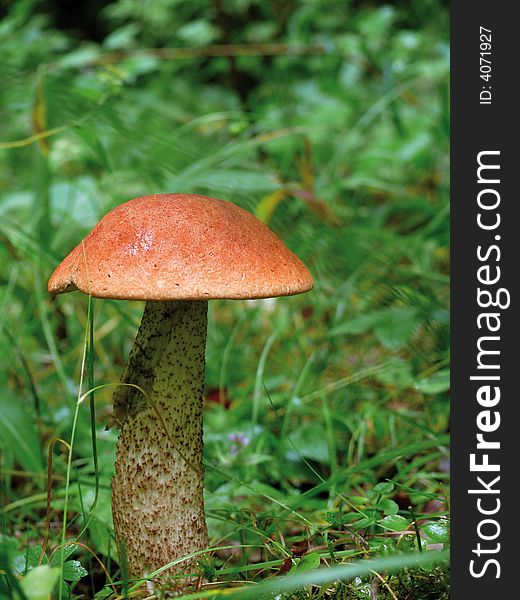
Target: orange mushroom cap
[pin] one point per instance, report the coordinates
(181, 247)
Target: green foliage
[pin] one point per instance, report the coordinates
(39, 575)
(327, 413)
(39, 582)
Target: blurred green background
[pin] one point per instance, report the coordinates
(327, 414)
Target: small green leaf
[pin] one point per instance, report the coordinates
(357, 500)
(39, 582)
(388, 507)
(349, 517)
(198, 32)
(385, 487)
(309, 562)
(68, 550)
(73, 571)
(437, 531)
(33, 554)
(364, 522)
(436, 383)
(394, 523)
(80, 58)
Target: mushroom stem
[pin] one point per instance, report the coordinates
(157, 490)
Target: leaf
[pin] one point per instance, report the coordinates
(364, 522)
(68, 550)
(384, 487)
(18, 433)
(388, 507)
(102, 538)
(394, 523)
(73, 571)
(357, 500)
(437, 531)
(137, 65)
(357, 325)
(122, 38)
(32, 557)
(345, 518)
(309, 562)
(198, 32)
(101, 525)
(39, 582)
(393, 327)
(82, 57)
(396, 326)
(436, 383)
(308, 441)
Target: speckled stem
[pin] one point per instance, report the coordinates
(157, 490)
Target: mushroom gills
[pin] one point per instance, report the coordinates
(157, 490)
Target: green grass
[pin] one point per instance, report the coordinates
(326, 420)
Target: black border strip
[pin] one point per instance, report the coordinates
(491, 129)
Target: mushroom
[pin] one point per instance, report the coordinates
(176, 252)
